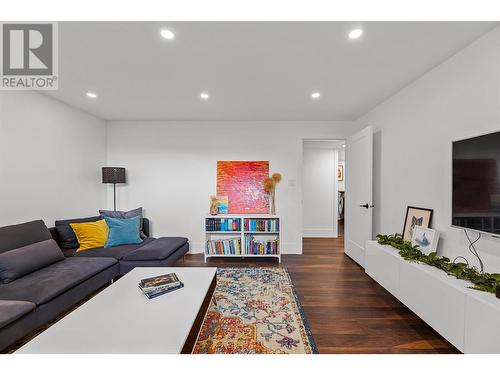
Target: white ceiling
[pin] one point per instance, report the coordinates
(253, 71)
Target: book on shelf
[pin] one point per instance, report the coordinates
(222, 224)
(160, 291)
(261, 247)
(262, 225)
(155, 283)
(228, 246)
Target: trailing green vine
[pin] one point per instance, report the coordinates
(486, 282)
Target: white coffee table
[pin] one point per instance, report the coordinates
(122, 320)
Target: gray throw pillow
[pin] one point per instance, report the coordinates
(126, 215)
(24, 260)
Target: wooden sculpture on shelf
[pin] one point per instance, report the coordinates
(270, 187)
(213, 205)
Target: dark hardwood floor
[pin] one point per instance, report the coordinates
(347, 311)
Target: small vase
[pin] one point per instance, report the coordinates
(273, 204)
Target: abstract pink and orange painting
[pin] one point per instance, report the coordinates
(242, 182)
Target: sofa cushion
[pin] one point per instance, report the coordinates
(19, 235)
(116, 252)
(13, 310)
(126, 215)
(159, 249)
(67, 237)
(19, 262)
(47, 283)
(123, 231)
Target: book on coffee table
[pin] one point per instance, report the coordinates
(168, 280)
(159, 292)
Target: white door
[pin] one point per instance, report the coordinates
(320, 189)
(358, 194)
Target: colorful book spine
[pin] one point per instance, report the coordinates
(262, 225)
(222, 225)
(261, 247)
(230, 246)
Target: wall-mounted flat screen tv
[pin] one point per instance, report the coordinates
(476, 183)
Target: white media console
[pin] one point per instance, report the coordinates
(467, 318)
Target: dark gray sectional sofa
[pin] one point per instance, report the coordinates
(35, 298)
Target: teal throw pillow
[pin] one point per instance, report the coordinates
(123, 231)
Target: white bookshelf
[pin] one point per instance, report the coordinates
(242, 234)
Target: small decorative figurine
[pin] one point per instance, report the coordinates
(213, 205)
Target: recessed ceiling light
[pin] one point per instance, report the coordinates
(315, 95)
(91, 95)
(204, 96)
(167, 34)
(355, 34)
(343, 145)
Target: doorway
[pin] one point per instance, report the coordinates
(323, 183)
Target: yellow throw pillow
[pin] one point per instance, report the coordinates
(91, 235)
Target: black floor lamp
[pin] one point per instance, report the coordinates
(113, 175)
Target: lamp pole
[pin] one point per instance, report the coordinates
(114, 196)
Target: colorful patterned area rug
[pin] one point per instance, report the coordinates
(255, 311)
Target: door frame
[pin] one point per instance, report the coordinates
(335, 208)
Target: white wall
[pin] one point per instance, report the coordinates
(320, 189)
(413, 134)
(172, 168)
(50, 159)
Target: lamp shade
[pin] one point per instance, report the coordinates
(113, 175)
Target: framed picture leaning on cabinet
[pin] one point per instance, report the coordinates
(416, 216)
